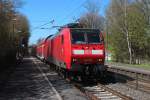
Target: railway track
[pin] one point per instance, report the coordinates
(102, 92)
(98, 91)
(142, 86)
(139, 79)
(131, 72)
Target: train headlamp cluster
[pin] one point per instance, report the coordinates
(100, 60)
(94, 52)
(97, 52)
(79, 52)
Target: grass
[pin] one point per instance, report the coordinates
(145, 66)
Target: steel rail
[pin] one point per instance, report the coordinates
(141, 78)
(132, 72)
(100, 92)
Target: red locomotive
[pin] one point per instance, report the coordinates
(75, 51)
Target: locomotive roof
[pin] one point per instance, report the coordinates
(86, 28)
(77, 26)
(72, 25)
(48, 37)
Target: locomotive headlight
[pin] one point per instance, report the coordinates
(79, 52)
(97, 52)
(74, 59)
(99, 60)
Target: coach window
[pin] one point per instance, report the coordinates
(62, 39)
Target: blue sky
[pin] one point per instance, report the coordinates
(40, 12)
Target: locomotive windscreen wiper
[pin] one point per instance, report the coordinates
(80, 42)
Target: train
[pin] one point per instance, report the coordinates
(75, 51)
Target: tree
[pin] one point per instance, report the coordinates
(136, 26)
(6, 15)
(127, 26)
(144, 7)
(22, 33)
(92, 19)
(117, 22)
(13, 27)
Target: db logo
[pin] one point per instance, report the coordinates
(87, 52)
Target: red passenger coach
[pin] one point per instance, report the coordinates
(43, 47)
(75, 50)
(47, 47)
(40, 50)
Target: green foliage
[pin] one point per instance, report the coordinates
(128, 24)
(92, 19)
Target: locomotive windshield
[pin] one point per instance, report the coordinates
(84, 36)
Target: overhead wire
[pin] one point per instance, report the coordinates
(52, 21)
(38, 27)
(70, 14)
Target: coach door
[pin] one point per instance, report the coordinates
(62, 46)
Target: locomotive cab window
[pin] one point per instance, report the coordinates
(93, 38)
(78, 38)
(84, 36)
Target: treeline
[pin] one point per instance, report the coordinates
(128, 27)
(91, 18)
(14, 32)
